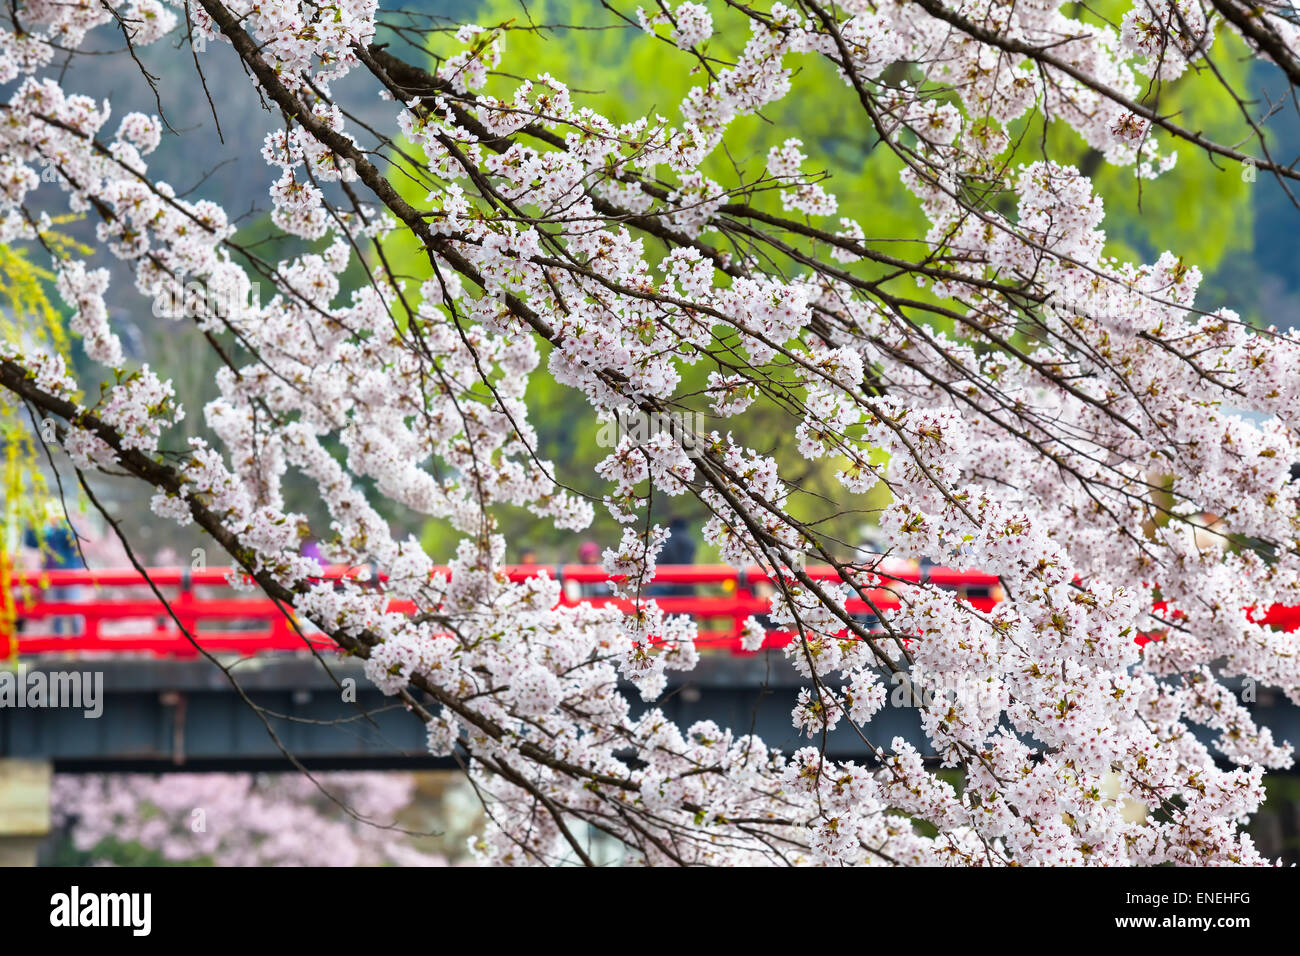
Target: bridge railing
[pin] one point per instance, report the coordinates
(116, 612)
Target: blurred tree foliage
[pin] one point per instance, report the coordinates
(29, 321)
(616, 69)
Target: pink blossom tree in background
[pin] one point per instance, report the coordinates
(240, 819)
(1023, 402)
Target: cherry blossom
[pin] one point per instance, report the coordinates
(1041, 411)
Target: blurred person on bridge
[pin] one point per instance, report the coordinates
(588, 556)
(54, 546)
(678, 549)
(311, 549)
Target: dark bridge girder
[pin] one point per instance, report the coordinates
(170, 715)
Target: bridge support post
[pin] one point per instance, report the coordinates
(24, 809)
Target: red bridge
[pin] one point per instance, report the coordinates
(116, 611)
(165, 709)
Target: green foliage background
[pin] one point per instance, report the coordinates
(622, 73)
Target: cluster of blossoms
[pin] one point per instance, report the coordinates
(1041, 439)
(231, 819)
